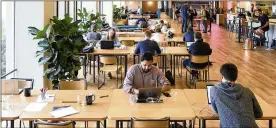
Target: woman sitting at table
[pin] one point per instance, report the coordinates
(158, 36)
(111, 36)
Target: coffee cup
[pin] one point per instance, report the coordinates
(90, 98)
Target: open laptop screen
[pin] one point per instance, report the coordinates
(189, 44)
(208, 88)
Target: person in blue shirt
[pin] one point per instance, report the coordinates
(184, 14)
(189, 36)
(147, 45)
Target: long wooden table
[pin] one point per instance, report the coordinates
(95, 112)
(176, 107)
(198, 101)
(17, 105)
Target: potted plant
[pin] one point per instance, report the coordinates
(117, 12)
(60, 48)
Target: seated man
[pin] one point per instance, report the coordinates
(198, 48)
(189, 36)
(147, 45)
(145, 75)
(236, 105)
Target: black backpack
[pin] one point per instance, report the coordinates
(207, 14)
(169, 76)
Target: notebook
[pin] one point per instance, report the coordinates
(208, 88)
(62, 112)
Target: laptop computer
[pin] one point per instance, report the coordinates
(107, 44)
(208, 88)
(189, 44)
(145, 93)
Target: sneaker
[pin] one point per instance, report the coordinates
(269, 49)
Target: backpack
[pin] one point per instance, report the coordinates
(207, 14)
(170, 34)
(169, 76)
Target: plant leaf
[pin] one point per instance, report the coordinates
(46, 28)
(43, 60)
(43, 44)
(33, 30)
(49, 70)
(38, 53)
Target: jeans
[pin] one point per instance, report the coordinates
(204, 25)
(210, 24)
(184, 25)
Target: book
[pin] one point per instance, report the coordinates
(62, 112)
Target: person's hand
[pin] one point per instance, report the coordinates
(136, 91)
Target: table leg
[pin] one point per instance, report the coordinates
(94, 58)
(121, 124)
(125, 64)
(239, 30)
(30, 124)
(117, 124)
(270, 123)
(12, 123)
(90, 59)
(105, 124)
(174, 68)
(98, 124)
(84, 64)
(184, 124)
(171, 62)
(191, 123)
(203, 123)
(134, 59)
(175, 124)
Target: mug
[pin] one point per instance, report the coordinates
(90, 99)
(27, 92)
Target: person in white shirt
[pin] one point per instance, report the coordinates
(158, 36)
(163, 26)
(139, 11)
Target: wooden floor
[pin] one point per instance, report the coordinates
(257, 69)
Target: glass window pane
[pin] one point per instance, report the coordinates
(90, 6)
(7, 42)
(61, 9)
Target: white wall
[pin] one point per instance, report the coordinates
(108, 11)
(28, 13)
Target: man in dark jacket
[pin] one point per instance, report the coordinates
(198, 48)
(147, 45)
(236, 105)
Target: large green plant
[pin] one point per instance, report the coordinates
(87, 20)
(60, 48)
(117, 12)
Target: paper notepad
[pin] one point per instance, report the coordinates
(63, 112)
(49, 98)
(35, 107)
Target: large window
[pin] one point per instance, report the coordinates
(7, 42)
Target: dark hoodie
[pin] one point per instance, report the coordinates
(236, 105)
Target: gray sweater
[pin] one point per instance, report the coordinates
(136, 78)
(236, 105)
